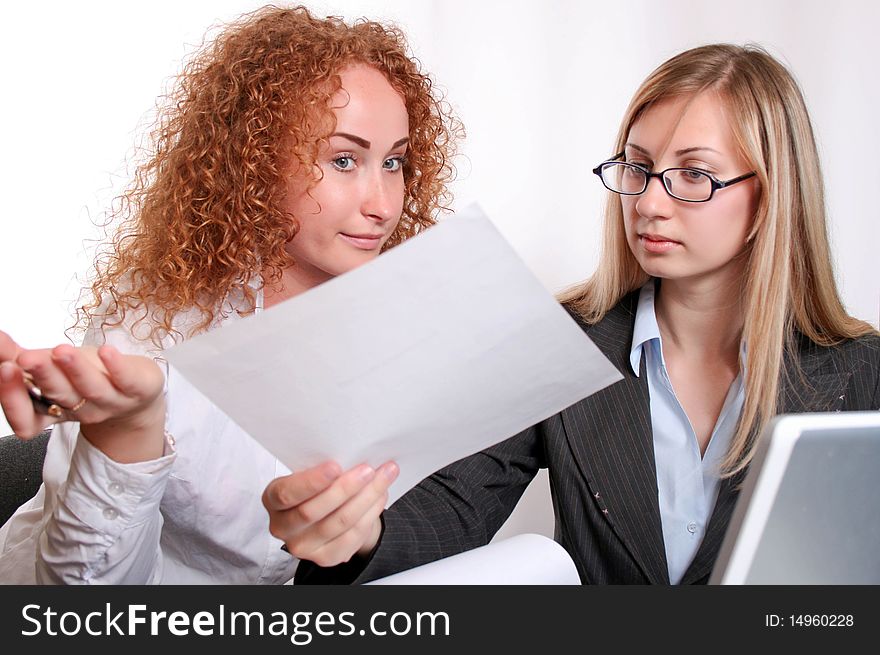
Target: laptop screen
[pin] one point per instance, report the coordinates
(809, 509)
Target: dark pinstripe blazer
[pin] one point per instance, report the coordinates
(603, 482)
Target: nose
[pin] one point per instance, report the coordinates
(654, 202)
(382, 198)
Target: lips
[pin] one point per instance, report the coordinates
(657, 243)
(363, 241)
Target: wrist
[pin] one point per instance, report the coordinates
(138, 437)
(372, 542)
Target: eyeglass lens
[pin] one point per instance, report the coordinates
(686, 184)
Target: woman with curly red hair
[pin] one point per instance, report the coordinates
(293, 149)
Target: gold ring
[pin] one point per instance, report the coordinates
(41, 403)
(78, 406)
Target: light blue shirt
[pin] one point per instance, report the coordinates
(687, 483)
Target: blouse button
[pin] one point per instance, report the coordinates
(692, 527)
(110, 514)
(115, 488)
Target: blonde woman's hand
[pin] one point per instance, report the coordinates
(117, 398)
(327, 516)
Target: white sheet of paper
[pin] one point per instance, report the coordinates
(439, 348)
(529, 559)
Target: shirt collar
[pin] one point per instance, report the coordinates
(645, 328)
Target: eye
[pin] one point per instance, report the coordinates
(393, 164)
(344, 163)
(694, 176)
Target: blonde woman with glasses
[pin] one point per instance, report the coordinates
(716, 299)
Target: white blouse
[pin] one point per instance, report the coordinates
(192, 516)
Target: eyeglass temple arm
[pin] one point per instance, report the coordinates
(598, 169)
(720, 185)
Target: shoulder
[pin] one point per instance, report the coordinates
(622, 314)
(855, 363)
(615, 325)
(848, 354)
(613, 333)
(133, 333)
(128, 335)
(862, 357)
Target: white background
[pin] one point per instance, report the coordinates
(540, 87)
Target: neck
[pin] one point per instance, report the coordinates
(704, 318)
(294, 281)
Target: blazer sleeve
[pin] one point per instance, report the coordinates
(456, 509)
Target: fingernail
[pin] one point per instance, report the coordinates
(390, 471)
(366, 472)
(331, 470)
(6, 372)
(36, 369)
(62, 359)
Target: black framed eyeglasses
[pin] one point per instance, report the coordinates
(687, 184)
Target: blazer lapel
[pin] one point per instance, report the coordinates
(616, 455)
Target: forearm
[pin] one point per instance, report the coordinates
(131, 439)
(102, 523)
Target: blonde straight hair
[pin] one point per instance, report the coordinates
(788, 284)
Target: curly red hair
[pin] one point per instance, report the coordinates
(203, 216)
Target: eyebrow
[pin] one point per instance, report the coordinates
(678, 153)
(363, 143)
(685, 151)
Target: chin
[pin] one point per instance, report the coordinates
(653, 267)
(663, 272)
(355, 260)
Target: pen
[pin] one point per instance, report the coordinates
(42, 405)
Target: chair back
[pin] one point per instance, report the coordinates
(21, 471)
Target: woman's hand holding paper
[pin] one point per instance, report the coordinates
(328, 516)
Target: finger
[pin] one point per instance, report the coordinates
(342, 517)
(346, 517)
(304, 515)
(132, 375)
(47, 375)
(291, 490)
(8, 348)
(349, 543)
(16, 403)
(86, 375)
